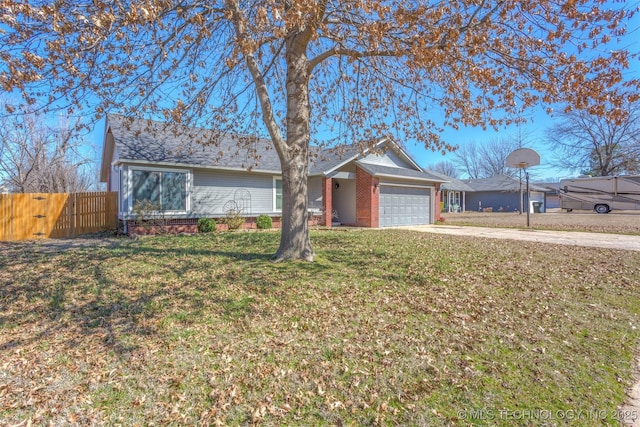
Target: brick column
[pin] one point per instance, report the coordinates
(367, 200)
(438, 202)
(327, 202)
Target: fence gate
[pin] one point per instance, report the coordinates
(44, 215)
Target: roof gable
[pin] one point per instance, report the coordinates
(108, 151)
(385, 152)
(388, 158)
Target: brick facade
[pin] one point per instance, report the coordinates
(367, 200)
(190, 225)
(438, 200)
(171, 226)
(327, 202)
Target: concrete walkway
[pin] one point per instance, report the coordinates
(575, 238)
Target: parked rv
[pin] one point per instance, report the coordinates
(601, 194)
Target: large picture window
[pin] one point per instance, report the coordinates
(166, 190)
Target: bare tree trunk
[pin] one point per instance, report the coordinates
(294, 240)
(294, 151)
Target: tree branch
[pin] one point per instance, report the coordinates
(258, 78)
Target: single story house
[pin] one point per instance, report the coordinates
(551, 194)
(453, 193)
(142, 160)
(501, 193)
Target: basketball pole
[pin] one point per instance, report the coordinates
(522, 158)
(528, 207)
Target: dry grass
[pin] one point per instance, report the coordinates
(387, 327)
(624, 222)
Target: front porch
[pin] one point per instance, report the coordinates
(453, 201)
(350, 199)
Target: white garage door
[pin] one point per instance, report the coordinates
(404, 205)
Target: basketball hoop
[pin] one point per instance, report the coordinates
(522, 158)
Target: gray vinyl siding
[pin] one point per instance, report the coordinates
(114, 179)
(315, 193)
(388, 158)
(251, 191)
(343, 201)
(123, 191)
(114, 182)
(212, 190)
(114, 175)
(499, 201)
(508, 201)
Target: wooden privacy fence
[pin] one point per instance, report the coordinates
(45, 215)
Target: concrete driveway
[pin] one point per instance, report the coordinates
(575, 238)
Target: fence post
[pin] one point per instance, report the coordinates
(75, 215)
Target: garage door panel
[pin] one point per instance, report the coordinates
(404, 205)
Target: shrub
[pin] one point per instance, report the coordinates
(149, 216)
(264, 222)
(234, 219)
(206, 225)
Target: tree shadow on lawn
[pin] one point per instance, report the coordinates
(77, 296)
(376, 257)
(38, 307)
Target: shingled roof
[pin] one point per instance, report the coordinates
(157, 142)
(450, 184)
(153, 142)
(147, 141)
(388, 171)
(499, 183)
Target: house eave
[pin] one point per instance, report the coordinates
(405, 178)
(108, 148)
(371, 170)
(192, 166)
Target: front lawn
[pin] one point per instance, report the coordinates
(618, 222)
(387, 327)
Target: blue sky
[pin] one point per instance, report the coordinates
(532, 134)
(534, 131)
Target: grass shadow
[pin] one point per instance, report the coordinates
(83, 291)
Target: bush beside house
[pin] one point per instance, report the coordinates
(264, 222)
(206, 225)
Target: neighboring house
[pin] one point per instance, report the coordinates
(502, 194)
(551, 194)
(453, 193)
(142, 160)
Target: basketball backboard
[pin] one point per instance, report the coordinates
(523, 158)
